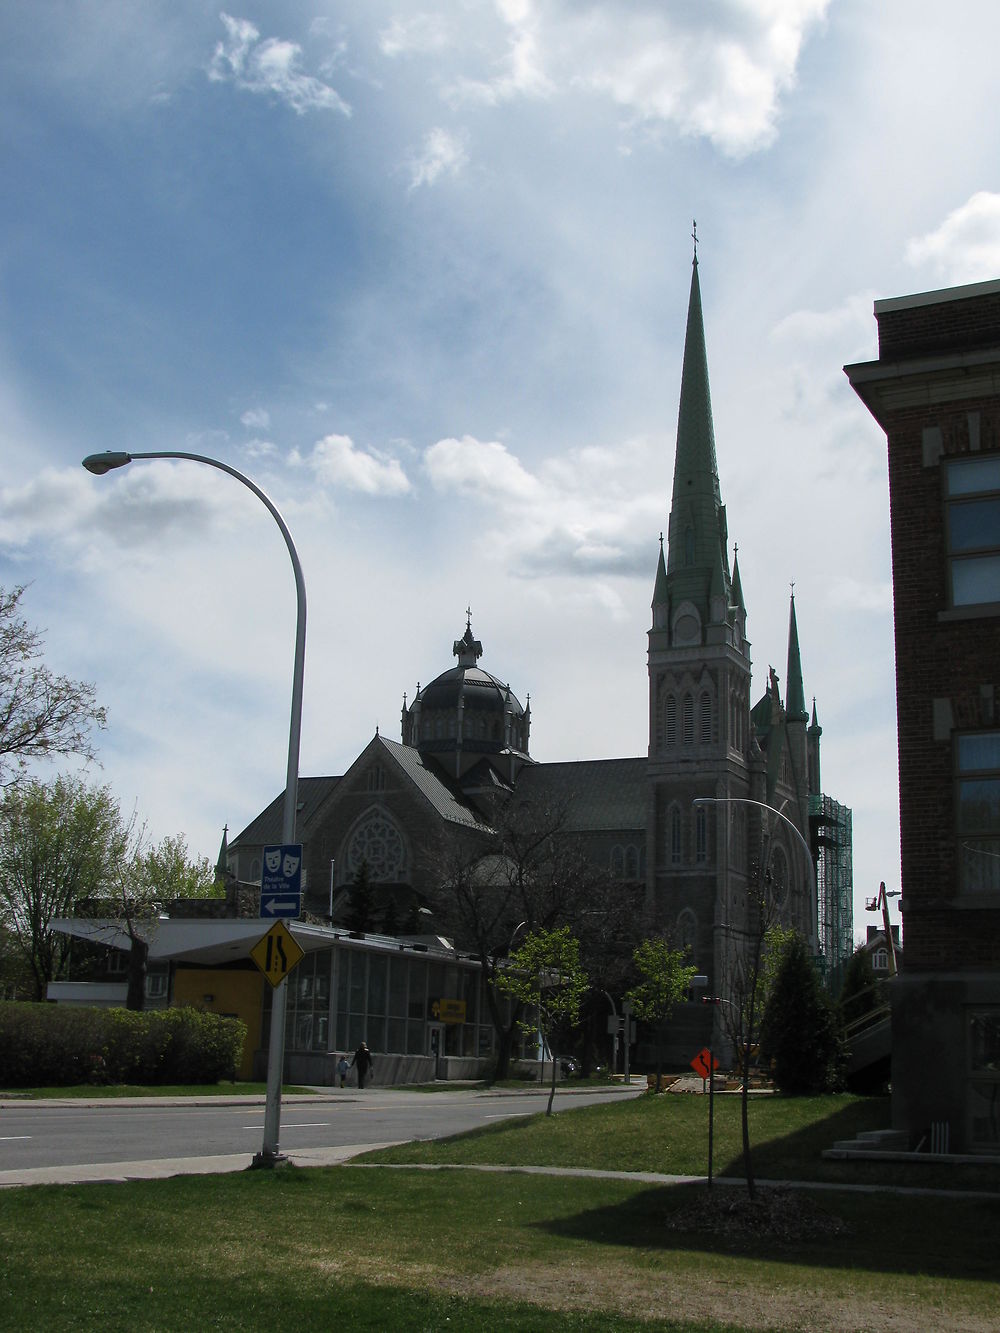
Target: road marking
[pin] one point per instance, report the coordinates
(511, 1115)
(305, 1124)
(9, 1138)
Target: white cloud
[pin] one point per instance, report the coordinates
(256, 418)
(271, 67)
(336, 462)
(420, 34)
(966, 246)
(717, 72)
(442, 152)
(483, 469)
(577, 515)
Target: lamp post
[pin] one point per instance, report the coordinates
(99, 464)
(762, 805)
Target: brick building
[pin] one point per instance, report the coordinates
(935, 391)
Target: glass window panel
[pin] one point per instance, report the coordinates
(343, 965)
(321, 986)
(974, 524)
(418, 990)
(980, 865)
(342, 1042)
(355, 1031)
(377, 967)
(979, 750)
(358, 961)
(395, 1038)
(415, 1038)
(397, 988)
(984, 1105)
(979, 805)
(302, 1035)
(321, 1029)
(969, 475)
(985, 1042)
(975, 580)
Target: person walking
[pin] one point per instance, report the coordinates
(364, 1063)
(342, 1068)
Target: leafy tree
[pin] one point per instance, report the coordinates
(544, 974)
(57, 840)
(664, 977)
(170, 871)
(800, 1033)
(41, 714)
(67, 850)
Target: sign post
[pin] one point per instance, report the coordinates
(705, 1064)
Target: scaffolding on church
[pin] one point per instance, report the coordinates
(831, 837)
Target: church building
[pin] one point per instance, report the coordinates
(753, 767)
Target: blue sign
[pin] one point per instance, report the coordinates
(281, 881)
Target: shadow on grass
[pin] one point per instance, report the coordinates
(883, 1234)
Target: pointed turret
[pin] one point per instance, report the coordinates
(795, 699)
(222, 864)
(661, 593)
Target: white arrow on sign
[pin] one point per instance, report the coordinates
(275, 905)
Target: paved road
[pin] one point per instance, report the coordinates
(70, 1140)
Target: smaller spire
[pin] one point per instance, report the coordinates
(795, 701)
(222, 864)
(737, 585)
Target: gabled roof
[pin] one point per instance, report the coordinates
(446, 798)
(266, 830)
(600, 794)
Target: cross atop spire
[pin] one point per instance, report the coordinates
(694, 237)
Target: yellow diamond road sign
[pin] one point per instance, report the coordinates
(276, 953)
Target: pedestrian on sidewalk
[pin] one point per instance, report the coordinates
(342, 1068)
(364, 1063)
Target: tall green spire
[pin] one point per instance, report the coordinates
(697, 563)
(795, 699)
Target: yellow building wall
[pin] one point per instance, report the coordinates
(232, 993)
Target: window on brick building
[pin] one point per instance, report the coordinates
(984, 1061)
(972, 488)
(977, 760)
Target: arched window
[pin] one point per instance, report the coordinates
(675, 836)
(632, 862)
(701, 835)
(705, 719)
(617, 862)
(687, 932)
(688, 720)
(777, 871)
(880, 960)
(377, 840)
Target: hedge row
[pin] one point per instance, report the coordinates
(47, 1045)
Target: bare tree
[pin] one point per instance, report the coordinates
(41, 714)
(523, 873)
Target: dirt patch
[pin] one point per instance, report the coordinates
(775, 1214)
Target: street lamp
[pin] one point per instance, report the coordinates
(99, 464)
(762, 805)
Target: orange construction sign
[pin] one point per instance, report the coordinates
(704, 1063)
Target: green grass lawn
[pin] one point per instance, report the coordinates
(429, 1250)
(669, 1133)
(408, 1249)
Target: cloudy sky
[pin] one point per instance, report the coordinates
(423, 272)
